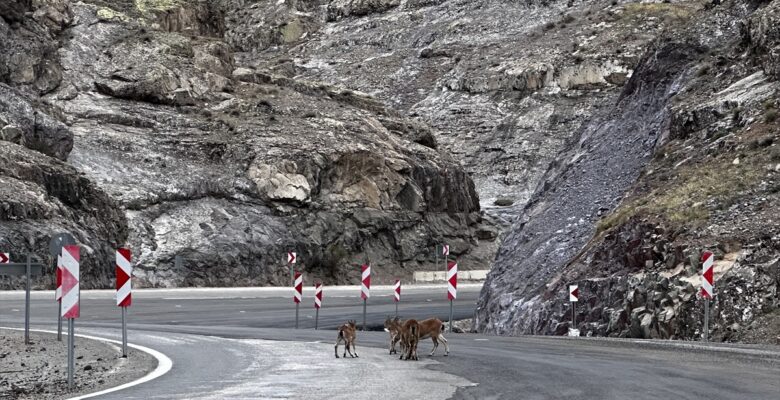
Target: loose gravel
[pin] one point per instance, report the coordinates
(39, 370)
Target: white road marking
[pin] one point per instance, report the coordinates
(164, 364)
(481, 340)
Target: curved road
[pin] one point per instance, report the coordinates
(237, 343)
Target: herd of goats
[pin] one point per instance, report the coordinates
(406, 333)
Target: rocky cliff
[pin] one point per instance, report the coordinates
(608, 143)
(187, 152)
(685, 161)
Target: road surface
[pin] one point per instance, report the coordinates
(237, 343)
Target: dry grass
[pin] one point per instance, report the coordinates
(683, 200)
(667, 11)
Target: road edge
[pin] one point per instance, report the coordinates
(164, 363)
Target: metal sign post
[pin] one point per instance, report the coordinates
(317, 304)
(71, 300)
(26, 269)
(292, 258)
(452, 285)
(56, 244)
(707, 290)
(297, 294)
(365, 287)
(71, 350)
(124, 289)
(27, 302)
(397, 295)
(445, 252)
(574, 295)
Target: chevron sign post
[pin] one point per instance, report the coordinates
(707, 282)
(317, 304)
(574, 296)
(292, 258)
(124, 273)
(365, 288)
(397, 294)
(297, 294)
(70, 300)
(5, 258)
(452, 285)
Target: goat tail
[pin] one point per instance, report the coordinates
(413, 330)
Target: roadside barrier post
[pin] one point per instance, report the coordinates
(70, 301)
(452, 285)
(365, 288)
(292, 258)
(317, 304)
(27, 302)
(58, 296)
(55, 251)
(297, 293)
(445, 252)
(124, 289)
(397, 295)
(574, 295)
(708, 260)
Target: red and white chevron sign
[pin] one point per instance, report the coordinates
(298, 287)
(124, 273)
(445, 250)
(291, 257)
(5, 258)
(452, 280)
(318, 295)
(708, 260)
(574, 293)
(397, 290)
(58, 289)
(70, 281)
(365, 281)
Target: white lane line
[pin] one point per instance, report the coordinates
(481, 340)
(164, 364)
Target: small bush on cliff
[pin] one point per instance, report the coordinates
(334, 255)
(770, 115)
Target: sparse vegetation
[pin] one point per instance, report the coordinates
(683, 201)
(770, 115)
(670, 13)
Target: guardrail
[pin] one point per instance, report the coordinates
(441, 276)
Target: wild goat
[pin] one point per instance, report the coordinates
(409, 336)
(430, 328)
(393, 327)
(347, 334)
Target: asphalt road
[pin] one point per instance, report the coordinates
(218, 340)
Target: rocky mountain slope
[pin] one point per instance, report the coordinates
(686, 161)
(190, 154)
(611, 141)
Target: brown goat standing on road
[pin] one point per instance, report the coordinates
(347, 334)
(409, 336)
(430, 328)
(393, 327)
